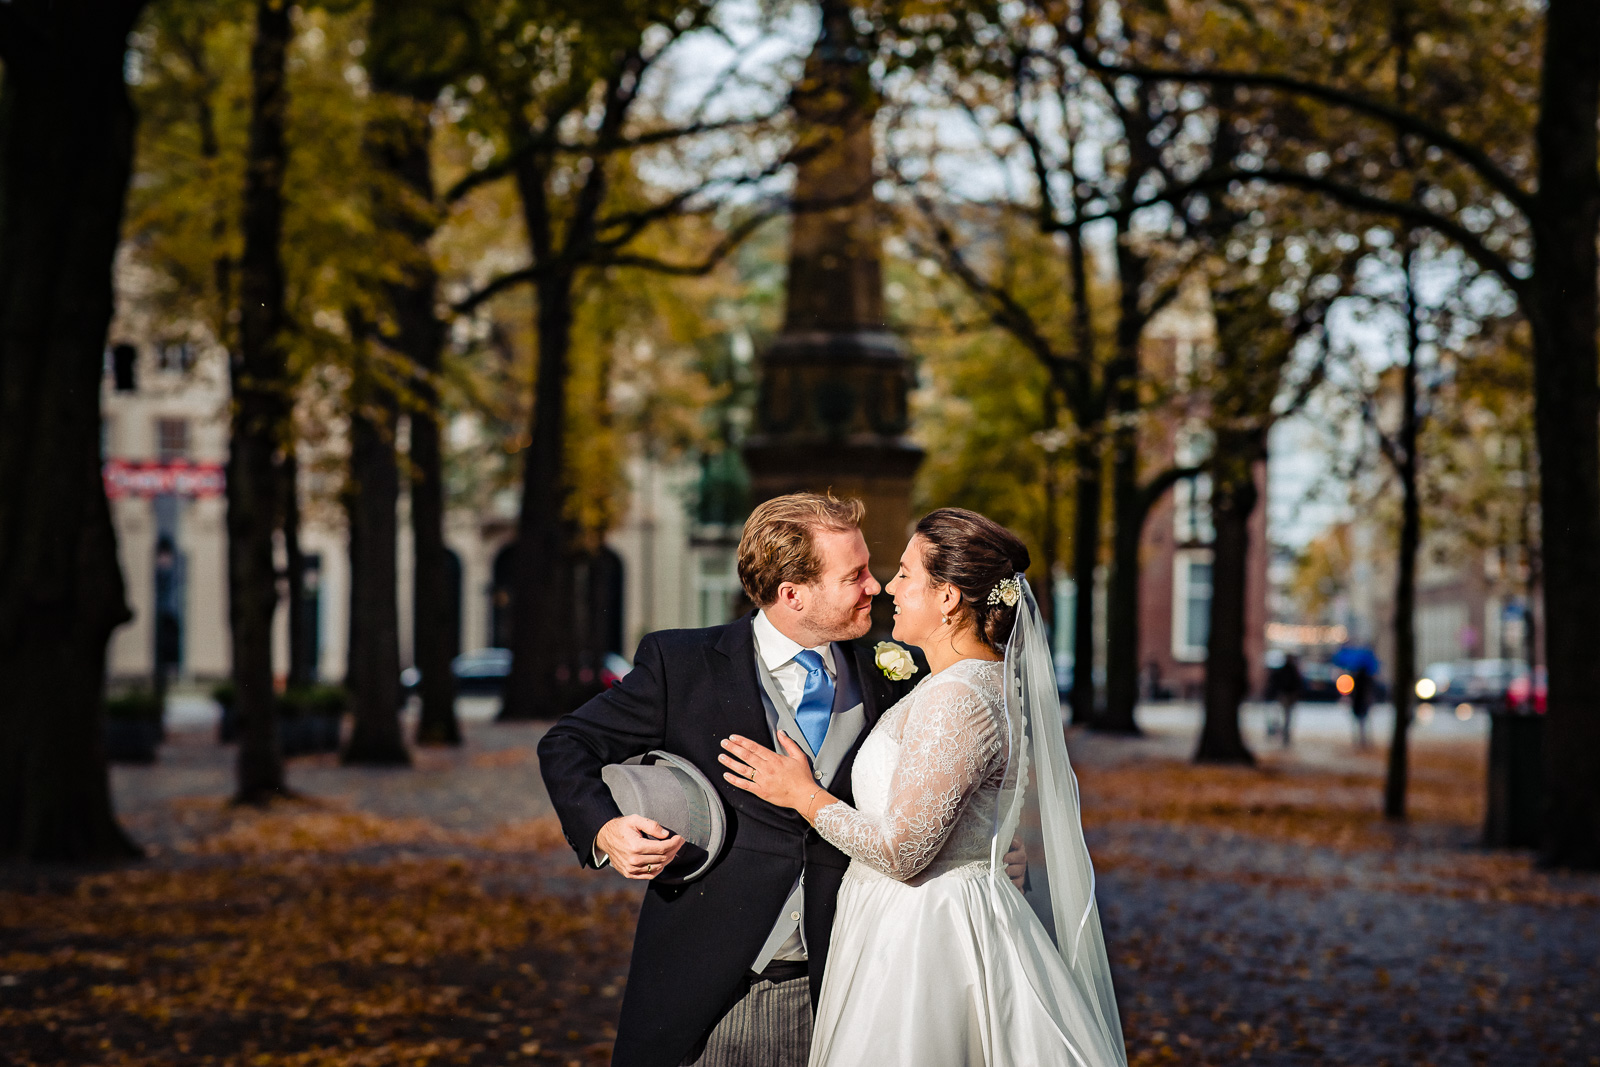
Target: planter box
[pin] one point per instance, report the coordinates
(312, 733)
(298, 736)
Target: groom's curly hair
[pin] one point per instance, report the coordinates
(779, 545)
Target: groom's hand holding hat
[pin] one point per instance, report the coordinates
(639, 847)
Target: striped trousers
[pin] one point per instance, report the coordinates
(770, 1026)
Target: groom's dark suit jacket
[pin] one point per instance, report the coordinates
(695, 943)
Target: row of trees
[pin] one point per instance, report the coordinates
(1292, 148)
(323, 191)
(561, 155)
(1269, 150)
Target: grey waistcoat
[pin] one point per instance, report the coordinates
(849, 717)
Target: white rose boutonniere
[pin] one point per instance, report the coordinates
(894, 661)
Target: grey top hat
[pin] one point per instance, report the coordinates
(673, 792)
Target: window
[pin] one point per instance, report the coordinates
(176, 356)
(718, 587)
(1440, 628)
(1191, 604)
(1191, 498)
(172, 439)
(125, 368)
(1191, 511)
(1066, 596)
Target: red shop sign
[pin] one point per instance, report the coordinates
(179, 478)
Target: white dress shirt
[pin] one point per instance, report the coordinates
(777, 652)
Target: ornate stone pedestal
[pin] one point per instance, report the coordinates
(832, 413)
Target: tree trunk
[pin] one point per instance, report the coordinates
(1050, 534)
(1531, 582)
(1127, 506)
(1088, 411)
(1085, 561)
(259, 379)
(1402, 691)
(1122, 599)
(398, 143)
(435, 617)
(1233, 499)
(302, 656)
(540, 685)
(66, 148)
(1567, 404)
(372, 500)
(541, 595)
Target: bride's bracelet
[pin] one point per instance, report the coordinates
(811, 817)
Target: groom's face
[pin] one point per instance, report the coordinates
(838, 605)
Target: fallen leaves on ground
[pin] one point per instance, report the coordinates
(1278, 798)
(1333, 809)
(1262, 915)
(1270, 914)
(271, 946)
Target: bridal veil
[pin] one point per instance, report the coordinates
(1040, 803)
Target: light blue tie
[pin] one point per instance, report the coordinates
(816, 700)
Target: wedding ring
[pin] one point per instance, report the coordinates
(649, 867)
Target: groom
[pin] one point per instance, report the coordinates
(726, 969)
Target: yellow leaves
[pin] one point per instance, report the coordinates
(315, 831)
(505, 757)
(1281, 800)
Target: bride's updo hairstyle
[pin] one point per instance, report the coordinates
(975, 554)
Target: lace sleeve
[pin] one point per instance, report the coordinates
(947, 748)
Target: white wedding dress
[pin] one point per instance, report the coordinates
(936, 958)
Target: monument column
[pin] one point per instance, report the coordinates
(832, 410)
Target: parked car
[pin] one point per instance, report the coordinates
(1319, 681)
(1527, 692)
(1479, 682)
(481, 672)
(614, 670)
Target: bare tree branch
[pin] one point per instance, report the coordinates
(1156, 487)
(1005, 311)
(506, 281)
(1403, 120)
(1348, 195)
(723, 248)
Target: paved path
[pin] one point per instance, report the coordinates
(492, 780)
(1261, 915)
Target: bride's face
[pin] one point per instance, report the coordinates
(920, 604)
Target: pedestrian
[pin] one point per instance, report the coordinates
(1285, 683)
(1361, 701)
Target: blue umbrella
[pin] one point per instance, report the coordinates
(1353, 658)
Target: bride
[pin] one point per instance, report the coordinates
(937, 958)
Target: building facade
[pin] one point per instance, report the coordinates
(164, 448)
(1175, 586)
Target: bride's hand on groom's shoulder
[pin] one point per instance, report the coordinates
(781, 778)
